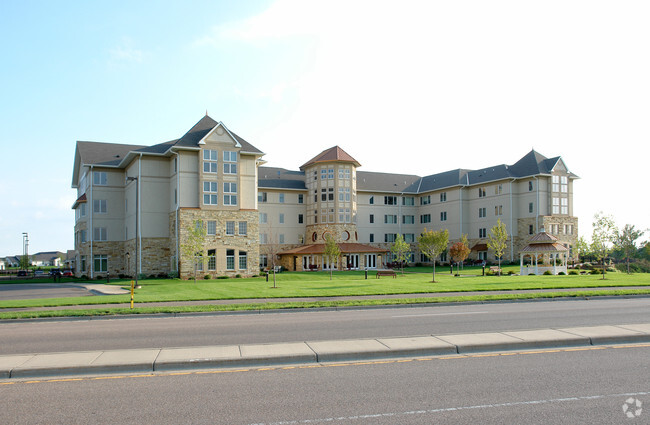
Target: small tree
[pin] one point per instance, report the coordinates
(332, 251)
(460, 251)
(581, 248)
(24, 262)
(626, 242)
(431, 243)
(497, 240)
(400, 250)
(271, 249)
(193, 246)
(602, 237)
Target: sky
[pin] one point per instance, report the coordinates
(414, 87)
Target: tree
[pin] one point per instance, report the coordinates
(24, 262)
(626, 242)
(193, 246)
(271, 249)
(460, 251)
(332, 251)
(602, 237)
(581, 248)
(497, 240)
(400, 250)
(431, 243)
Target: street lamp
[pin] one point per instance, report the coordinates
(26, 250)
(137, 244)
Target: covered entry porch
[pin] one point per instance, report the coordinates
(354, 256)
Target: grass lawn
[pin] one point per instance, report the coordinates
(348, 283)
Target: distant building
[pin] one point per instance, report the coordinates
(213, 177)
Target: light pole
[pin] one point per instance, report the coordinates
(26, 250)
(137, 242)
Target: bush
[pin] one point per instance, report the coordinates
(172, 275)
(238, 276)
(596, 271)
(206, 277)
(573, 272)
(222, 277)
(548, 273)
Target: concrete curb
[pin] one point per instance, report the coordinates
(310, 352)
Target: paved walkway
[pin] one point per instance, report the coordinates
(151, 360)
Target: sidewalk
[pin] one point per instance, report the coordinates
(310, 352)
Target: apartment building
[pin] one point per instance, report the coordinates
(138, 204)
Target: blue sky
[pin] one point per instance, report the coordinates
(465, 84)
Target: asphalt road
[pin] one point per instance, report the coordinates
(191, 330)
(550, 387)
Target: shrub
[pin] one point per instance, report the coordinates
(238, 276)
(548, 273)
(573, 272)
(596, 271)
(206, 277)
(172, 275)
(561, 274)
(222, 277)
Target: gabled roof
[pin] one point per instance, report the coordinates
(333, 154)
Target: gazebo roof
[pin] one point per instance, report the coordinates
(544, 242)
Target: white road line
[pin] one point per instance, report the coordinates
(453, 409)
(441, 314)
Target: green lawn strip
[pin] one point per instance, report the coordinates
(139, 309)
(318, 284)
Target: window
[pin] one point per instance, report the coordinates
(82, 267)
(323, 174)
(100, 263)
(443, 215)
(409, 237)
(498, 210)
(210, 196)
(530, 186)
(100, 178)
(482, 212)
(372, 200)
(243, 260)
(372, 238)
(443, 197)
(212, 259)
(408, 200)
(300, 219)
(481, 192)
(261, 197)
(344, 194)
(230, 259)
(300, 198)
(372, 218)
(564, 184)
(390, 200)
(330, 194)
(425, 218)
(390, 219)
(281, 198)
(230, 193)
(210, 161)
(482, 233)
(323, 195)
(264, 261)
(99, 206)
(531, 207)
(556, 205)
(564, 206)
(263, 218)
(281, 238)
(82, 235)
(82, 210)
(390, 237)
(408, 219)
(425, 200)
(212, 227)
(99, 234)
(264, 238)
(229, 162)
(230, 227)
(531, 229)
(281, 218)
(344, 173)
(498, 189)
(243, 228)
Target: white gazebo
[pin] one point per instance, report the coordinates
(543, 244)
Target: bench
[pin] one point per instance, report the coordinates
(495, 269)
(385, 273)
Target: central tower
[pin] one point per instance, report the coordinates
(331, 204)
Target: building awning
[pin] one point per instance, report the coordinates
(480, 247)
(80, 200)
(346, 248)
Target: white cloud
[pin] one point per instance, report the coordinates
(126, 52)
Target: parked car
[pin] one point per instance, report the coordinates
(68, 273)
(39, 273)
(55, 272)
(22, 273)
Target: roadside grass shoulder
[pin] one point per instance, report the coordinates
(344, 283)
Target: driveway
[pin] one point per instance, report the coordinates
(25, 291)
